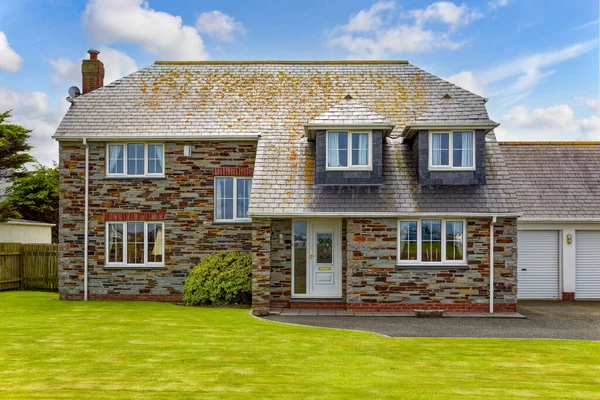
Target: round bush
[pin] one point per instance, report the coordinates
(220, 279)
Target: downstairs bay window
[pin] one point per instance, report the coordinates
(431, 242)
(135, 244)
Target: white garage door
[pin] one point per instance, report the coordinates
(587, 265)
(538, 270)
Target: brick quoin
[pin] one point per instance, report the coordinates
(568, 296)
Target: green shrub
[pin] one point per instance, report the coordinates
(220, 279)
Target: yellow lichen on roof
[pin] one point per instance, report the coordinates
(288, 62)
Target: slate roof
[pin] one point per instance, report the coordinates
(350, 112)
(555, 180)
(276, 100)
(453, 111)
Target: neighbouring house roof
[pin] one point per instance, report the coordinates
(276, 100)
(15, 221)
(555, 180)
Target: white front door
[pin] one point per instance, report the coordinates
(317, 250)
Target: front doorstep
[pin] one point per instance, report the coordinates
(323, 303)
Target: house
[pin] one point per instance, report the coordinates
(365, 185)
(558, 186)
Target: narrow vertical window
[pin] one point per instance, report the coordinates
(115, 242)
(135, 159)
(115, 159)
(431, 240)
(440, 145)
(155, 242)
(243, 197)
(299, 257)
(454, 240)
(337, 149)
(462, 143)
(135, 243)
(360, 149)
(224, 198)
(155, 159)
(408, 240)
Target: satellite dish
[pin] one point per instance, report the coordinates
(74, 92)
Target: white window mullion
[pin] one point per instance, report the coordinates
(443, 240)
(124, 251)
(235, 197)
(145, 242)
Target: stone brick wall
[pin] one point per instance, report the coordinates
(374, 282)
(185, 196)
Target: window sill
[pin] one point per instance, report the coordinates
(349, 169)
(431, 266)
(134, 178)
(233, 222)
(450, 169)
(135, 267)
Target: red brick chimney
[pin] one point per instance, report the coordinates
(92, 71)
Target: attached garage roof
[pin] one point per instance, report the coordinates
(555, 180)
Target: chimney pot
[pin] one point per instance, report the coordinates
(93, 54)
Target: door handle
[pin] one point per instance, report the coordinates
(523, 269)
(310, 254)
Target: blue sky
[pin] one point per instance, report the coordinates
(537, 61)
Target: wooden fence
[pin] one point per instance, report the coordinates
(28, 266)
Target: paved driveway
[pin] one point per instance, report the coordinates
(545, 320)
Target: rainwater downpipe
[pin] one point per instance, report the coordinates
(492, 263)
(85, 226)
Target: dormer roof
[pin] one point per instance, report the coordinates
(450, 112)
(349, 113)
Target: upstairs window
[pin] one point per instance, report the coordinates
(232, 197)
(135, 159)
(452, 150)
(348, 150)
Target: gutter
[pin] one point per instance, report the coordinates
(377, 214)
(86, 217)
(199, 137)
(492, 224)
(559, 220)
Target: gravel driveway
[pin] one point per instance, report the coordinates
(545, 320)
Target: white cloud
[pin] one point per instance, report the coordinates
(219, 25)
(379, 31)
(467, 80)
(446, 12)
(553, 123)
(365, 20)
(133, 21)
(594, 105)
(32, 111)
(514, 80)
(9, 60)
(497, 4)
(116, 65)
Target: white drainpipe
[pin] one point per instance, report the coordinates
(492, 263)
(86, 217)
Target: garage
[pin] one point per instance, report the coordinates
(538, 266)
(587, 265)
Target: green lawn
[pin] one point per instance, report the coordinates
(56, 349)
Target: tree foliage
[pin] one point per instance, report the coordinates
(13, 145)
(35, 195)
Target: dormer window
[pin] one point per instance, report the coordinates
(453, 150)
(348, 150)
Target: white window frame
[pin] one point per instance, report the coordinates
(350, 166)
(450, 166)
(125, 173)
(418, 261)
(235, 198)
(124, 264)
